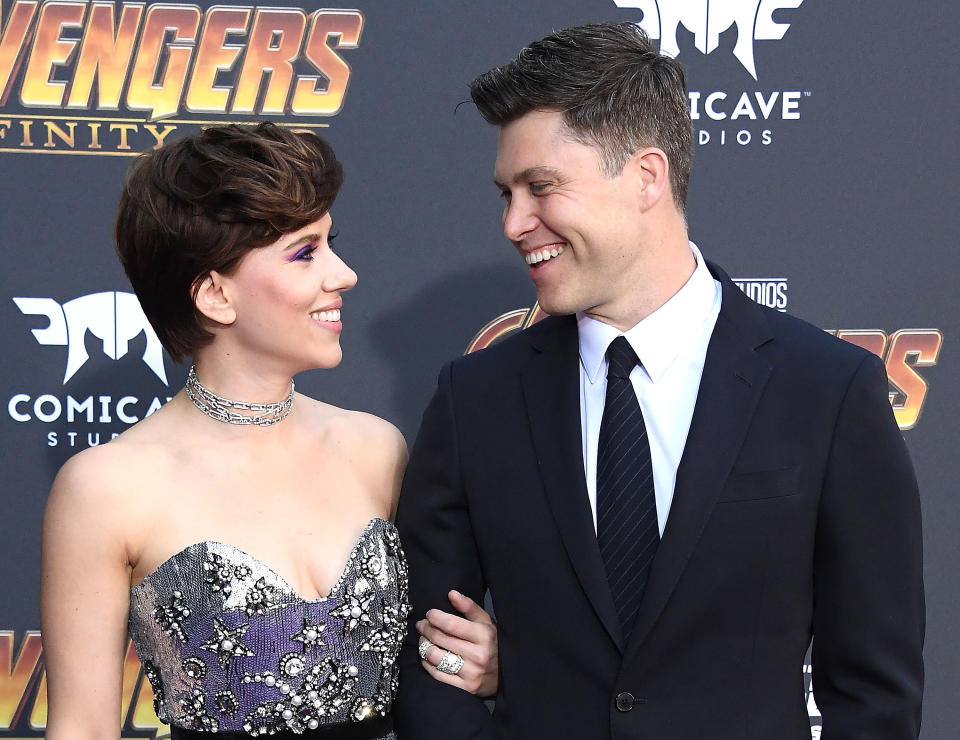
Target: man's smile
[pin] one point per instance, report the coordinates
(543, 254)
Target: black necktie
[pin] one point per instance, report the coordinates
(627, 529)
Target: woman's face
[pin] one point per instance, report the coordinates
(287, 297)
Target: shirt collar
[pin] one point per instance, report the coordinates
(658, 338)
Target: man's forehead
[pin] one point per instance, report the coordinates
(526, 149)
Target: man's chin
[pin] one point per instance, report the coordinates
(555, 306)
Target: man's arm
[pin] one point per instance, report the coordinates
(869, 607)
(437, 536)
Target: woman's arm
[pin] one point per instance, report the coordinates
(473, 636)
(84, 601)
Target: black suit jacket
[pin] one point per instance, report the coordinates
(795, 515)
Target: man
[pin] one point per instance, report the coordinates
(667, 489)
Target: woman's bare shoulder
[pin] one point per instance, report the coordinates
(85, 506)
(94, 472)
(375, 448)
(104, 483)
(369, 432)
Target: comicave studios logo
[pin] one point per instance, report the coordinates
(771, 292)
(726, 117)
(113, 318)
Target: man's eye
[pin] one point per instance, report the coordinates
(505, 194)
(538, 187)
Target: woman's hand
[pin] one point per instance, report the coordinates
(472, 638)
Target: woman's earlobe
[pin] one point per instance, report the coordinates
(212, 299)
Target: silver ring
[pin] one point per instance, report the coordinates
(424, 646)
(450, 663)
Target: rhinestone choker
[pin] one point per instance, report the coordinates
(223, 409)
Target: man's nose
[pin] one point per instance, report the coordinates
(519, 219)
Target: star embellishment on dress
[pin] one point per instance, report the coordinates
(219, 573)
(310, 635)
(260, 597)
(172, 615)
(227, 643)
(354, 611)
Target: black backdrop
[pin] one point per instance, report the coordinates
(829, 188)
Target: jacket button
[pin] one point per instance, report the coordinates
(624, 701)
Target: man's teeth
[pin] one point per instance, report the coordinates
(542, 255)
(333, 315)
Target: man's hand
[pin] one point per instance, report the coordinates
(473, 637)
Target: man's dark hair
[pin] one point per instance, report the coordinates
(202, 202)
(615, 90)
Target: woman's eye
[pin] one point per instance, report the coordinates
(304, 253)
(333, 235)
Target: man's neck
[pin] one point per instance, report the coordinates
(666, 268)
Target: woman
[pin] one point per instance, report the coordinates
(246, 542)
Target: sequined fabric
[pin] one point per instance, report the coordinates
(229, 646)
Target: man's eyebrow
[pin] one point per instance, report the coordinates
(540, 172)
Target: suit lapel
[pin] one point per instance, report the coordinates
(733, 379)
(551, 389)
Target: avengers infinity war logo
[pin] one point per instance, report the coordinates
(23, 692)
(104, 73)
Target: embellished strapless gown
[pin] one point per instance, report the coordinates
(229, 647)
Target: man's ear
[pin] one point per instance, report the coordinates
(211, 296)
(651, 169)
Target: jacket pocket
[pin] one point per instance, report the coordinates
(758, 485)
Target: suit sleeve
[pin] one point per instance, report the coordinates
(869, 603)
(435, 530)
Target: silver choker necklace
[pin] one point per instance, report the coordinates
(223, 409)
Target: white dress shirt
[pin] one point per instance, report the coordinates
(672, 346)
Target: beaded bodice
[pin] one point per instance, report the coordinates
(228, 645)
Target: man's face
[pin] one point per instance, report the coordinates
(559, 203)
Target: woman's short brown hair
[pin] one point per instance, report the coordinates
(202, 202)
